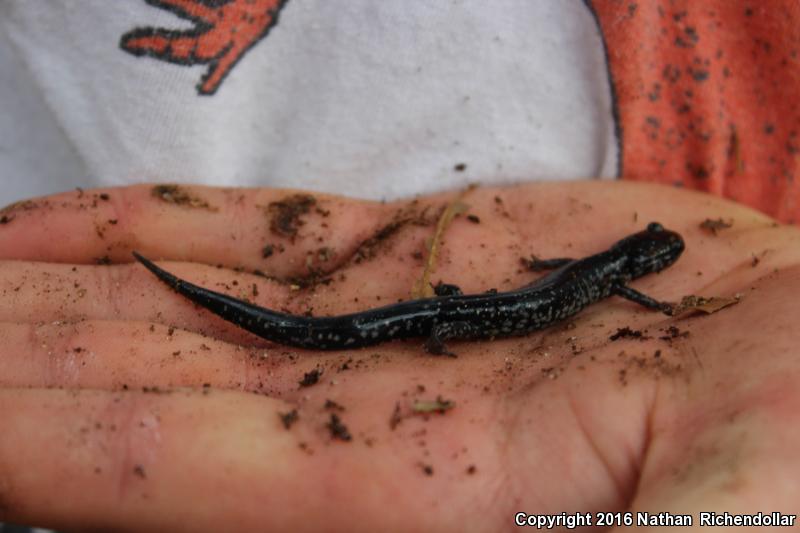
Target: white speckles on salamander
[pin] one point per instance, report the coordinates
(571, 286)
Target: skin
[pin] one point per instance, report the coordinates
(559, 420)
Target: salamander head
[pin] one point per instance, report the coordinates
(651, 250)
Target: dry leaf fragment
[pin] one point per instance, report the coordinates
(692, 303)
(715, 225)
(439, 405)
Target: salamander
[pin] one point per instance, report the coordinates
(571, 285)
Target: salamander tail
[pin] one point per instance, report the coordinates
(160, 273)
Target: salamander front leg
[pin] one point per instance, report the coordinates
(443, 332)
(642, 299)
(538, 265)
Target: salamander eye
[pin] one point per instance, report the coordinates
(655, 226)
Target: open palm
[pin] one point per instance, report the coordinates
(125, 406)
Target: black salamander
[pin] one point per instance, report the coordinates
(571, 286)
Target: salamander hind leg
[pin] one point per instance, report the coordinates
(446, 331)
(447, 289)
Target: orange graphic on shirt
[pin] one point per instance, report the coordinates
(707, 95)
(223, 33)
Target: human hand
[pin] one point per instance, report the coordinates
(126, 407)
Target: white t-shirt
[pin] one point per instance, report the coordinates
(373, 99)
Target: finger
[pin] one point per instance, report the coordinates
(39, 292)
(335, 233)
(230, 226)
(117, 355)
(282, 232)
